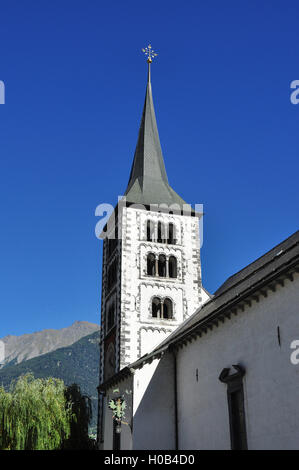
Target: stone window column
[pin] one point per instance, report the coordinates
(155, 232)
(167, 265)
(157, 265)
(162, 309)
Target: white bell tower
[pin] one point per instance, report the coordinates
(160, 278)
(151, 271)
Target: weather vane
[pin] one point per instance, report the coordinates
(150, 53)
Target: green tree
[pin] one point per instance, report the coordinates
(34, 414)
(81, 415)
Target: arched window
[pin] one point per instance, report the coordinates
(151, 265)
(161, 233)
(162, 266)
(167, 309)
(172, 267)
(171, 234)
(162, 309)
(156, 307)
(150, 230)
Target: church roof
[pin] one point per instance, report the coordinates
(238, 291)
(148, 183)
(244, 287)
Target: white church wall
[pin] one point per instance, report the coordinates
(270, 383)
(150, 337)
(154, 422)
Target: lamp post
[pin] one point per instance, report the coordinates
(118, 427)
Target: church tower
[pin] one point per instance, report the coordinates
(151, 256)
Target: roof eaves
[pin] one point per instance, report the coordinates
(207, 322)
(218, 314)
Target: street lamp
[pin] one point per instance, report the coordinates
(118, 428)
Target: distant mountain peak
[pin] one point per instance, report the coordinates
(27, 346)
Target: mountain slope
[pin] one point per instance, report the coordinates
(28, 346)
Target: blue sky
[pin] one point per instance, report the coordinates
(75, 81)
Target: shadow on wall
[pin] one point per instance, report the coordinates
(154, 419)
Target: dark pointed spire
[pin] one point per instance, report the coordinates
(148, 183)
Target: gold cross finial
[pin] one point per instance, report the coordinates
(150, 53)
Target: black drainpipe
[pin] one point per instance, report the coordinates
(176, 430)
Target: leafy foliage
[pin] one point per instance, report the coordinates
(78, 363)
(34, 414)
(43, 414)
(82, 413)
